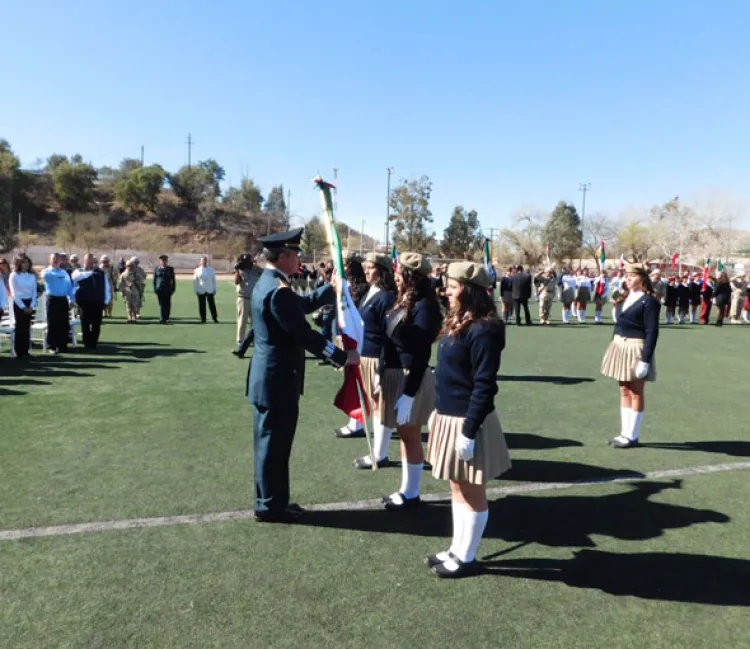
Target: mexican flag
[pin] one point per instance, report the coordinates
(488, 260)
(622, 261)
(707, 272)
(719, 266)
(352, 329)
(602, 254)
(394, 256)
(675, 257)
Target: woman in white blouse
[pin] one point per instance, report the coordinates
(204, 283)
(584, 286)
(23, 289)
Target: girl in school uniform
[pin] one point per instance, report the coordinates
(630, 356)
(568, 282)
(407, 384)
(696, 285)
(466, 445)
(683, 298)
(373, 308)
(670, 299)
(584, 287)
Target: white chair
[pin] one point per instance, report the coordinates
(39, 325)
(74, 322)
(8, 329)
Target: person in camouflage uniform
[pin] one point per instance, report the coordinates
(546, 283)
(140, 278)
(112, 277)
(132, 291)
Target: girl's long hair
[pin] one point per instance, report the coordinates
(357, 281)
(415, 287)
(474, 305)
(385, 279)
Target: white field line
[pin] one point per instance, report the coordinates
(194, 519)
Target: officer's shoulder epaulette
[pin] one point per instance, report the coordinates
(280, 283)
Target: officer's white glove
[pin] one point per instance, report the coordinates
(403, 409)
(641, 370)
(464, 447)
(376, 385)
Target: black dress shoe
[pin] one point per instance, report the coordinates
(365, 462)
(618, 442)
(468, 569)
(294, 507)
(351, 435)
(283, 516)
(433, 559)
(400, 502)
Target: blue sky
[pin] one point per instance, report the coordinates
(502, 104)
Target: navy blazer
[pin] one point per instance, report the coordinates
(641, 320)
(373, 316)
(282, 334)
(466, 373)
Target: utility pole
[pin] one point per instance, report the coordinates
(583, 188)
(141, 155)
(390, 171)
(190, 150)
(492, 241)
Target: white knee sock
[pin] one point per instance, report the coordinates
(473, 525)
(411, 477)
(625, 414)
(457, 532)
(746, 316)
(598, 316)
(581, 315)
(381, 440)
(566, 316)
(636, 418)
(354, 425)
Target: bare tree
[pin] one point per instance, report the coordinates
(598, 227)
(525, 239)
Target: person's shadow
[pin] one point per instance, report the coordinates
(728, 447)
(555, 521)
(676, 577)
(555, 380)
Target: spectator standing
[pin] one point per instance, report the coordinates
(23, 289)
(204, 283)
(246, 274)
(112, 275)
(60, 292)
(164, 287)
(521, 294)
(722, 296)
(92, 294)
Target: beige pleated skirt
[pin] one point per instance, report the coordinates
(391, 388)
(491, 457)
(369, 368)
(622, 358)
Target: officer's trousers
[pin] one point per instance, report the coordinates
(273, 434)
(165, 305)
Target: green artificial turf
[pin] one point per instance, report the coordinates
(155, 423)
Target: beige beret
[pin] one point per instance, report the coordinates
(636, 268)
(379, 260)
(471, 273)
(350, 255)
(415, 262)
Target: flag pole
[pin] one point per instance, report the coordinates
(368, 435)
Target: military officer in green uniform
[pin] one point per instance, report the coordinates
(277, 370)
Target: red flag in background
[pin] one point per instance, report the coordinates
(675, 257)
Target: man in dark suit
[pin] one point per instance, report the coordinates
(277, 370)
(164, 286)
(522, 284)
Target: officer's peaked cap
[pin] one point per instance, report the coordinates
(290, 239)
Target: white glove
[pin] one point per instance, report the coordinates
(403, 409)
(464, 448)
(376, 385)
(641, 370)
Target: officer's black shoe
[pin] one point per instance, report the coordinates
(294, 507)
(398, 501)
(341, 433)
(238, 353)
(365, 462)
(467, 569)
(283, 516)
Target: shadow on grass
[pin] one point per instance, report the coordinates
(6, 392)
(557, 380)
(571, 521)
(552, 471)
(675, 577)
(728, 447)
(534, 442)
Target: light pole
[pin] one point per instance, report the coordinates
(390, 171)
(583, 188)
